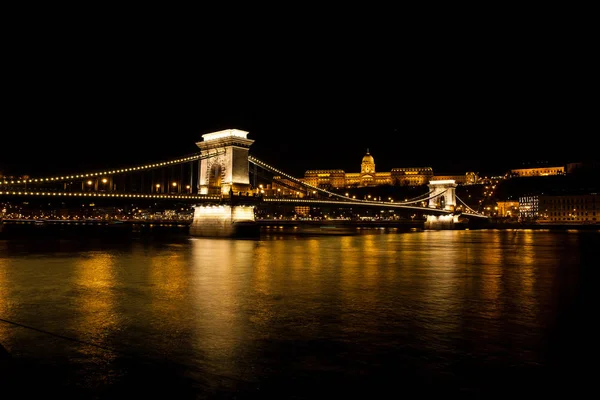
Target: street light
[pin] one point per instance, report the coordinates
(157, 187)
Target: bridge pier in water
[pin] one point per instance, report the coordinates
(442, 222)
(224, 221)
(443, 197)
(225, 174)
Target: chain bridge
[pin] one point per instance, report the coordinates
(221, 183)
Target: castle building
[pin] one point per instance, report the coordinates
(368, 176)
(543, 171)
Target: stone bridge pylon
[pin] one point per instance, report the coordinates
(224, 162)
(442, 195)
(224, 170)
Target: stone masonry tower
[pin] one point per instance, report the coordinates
(225, 167)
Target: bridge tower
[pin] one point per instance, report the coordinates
(442, 196)
(224, 172)
(224, 162)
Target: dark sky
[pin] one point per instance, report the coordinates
(78, 98)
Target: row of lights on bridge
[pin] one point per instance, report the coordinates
(130, 195)
(116, 171)
(157, 186)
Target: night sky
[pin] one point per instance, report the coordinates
(90, 98)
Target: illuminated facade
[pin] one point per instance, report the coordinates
(368, 176)
(528, 207)
(544, 171)
(224, 166)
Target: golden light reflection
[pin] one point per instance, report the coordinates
(358, 276)
(267, 281)
(169, 273)
(528, 261)
(220, 278)
(95, 278)
(489, 266)
(363, 269)
(437, 269)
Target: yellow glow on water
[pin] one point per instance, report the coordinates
(528, 258)
(169, 271)
(94, 279)
(218, 284)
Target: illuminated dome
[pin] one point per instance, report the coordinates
(368, 164)
(368, 158)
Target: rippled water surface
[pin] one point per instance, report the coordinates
(379, 315)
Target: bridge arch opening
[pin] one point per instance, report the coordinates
(441, 202)
(215, 178)
(442, 194)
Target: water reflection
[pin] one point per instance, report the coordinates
(94, 297)
(221, 275)
(425, 309)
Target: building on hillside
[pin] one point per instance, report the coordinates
(368, 176)
(568, 169)
(541, 171)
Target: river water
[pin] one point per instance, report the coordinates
(379, 314)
